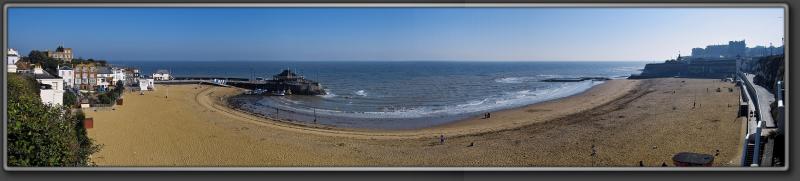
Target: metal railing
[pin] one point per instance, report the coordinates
(759, 120)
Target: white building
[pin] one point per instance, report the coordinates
(68, 75)
(105, 78)
(52, 89)
(118, 74)
(13, 57)
(147, 84)
(52, 96)
(161, 75)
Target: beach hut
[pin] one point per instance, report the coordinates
(689, 159)
(88, 123)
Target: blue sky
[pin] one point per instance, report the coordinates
(318, 34)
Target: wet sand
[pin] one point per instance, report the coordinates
(627, 120)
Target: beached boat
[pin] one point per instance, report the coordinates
(279, 93)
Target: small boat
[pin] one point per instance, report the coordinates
(279, 93)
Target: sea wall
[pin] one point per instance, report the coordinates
(696, 69)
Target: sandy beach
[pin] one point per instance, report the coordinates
(626, 120)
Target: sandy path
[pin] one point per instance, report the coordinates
(624, 119)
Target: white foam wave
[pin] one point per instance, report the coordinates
(510, 80)
(328, 94)
(497, 102)
(517, 80)
(361, 93)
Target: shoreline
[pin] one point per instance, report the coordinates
(239, 102)
(505, 119)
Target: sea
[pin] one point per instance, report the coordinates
(398, 95)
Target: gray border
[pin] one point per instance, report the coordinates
(416, 5)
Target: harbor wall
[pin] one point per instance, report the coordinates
(696, 69)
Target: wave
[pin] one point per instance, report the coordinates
(517, 80)
(361, 93)
(504, 100)
(328, 94)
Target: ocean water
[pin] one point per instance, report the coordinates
(403, 95)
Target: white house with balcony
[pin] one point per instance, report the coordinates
(118, 74)
(13, 57)
(105, 78)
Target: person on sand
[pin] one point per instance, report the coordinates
(441, 139)
(488, 115)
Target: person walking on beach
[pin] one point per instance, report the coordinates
(441, 139)
(488, 115)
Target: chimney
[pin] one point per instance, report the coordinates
(38, 69)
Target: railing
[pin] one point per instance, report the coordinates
(759, 119)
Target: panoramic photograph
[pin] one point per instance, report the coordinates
(361, 87)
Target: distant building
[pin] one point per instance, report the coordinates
(162, 75)
(85, 76)
(46, 78)
(68, 75)
(52, 87)
(736, 49)
(24, 67)
(146, 84)
(13, 57)
(131, 75)
(712, 52)
(105, 78)
(61, 53)
(733, 50)
(118, 74)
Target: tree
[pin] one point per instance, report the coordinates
(104, 98)
(120, 87)
(70, 99)
(43, 135)
(48, 64)
(36, 56)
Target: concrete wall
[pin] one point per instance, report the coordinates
(52, 96)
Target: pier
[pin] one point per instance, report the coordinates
(285, 81)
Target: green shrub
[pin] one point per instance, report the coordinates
(70, 99)
(42, 135)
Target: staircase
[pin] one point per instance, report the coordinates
(748, 154)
